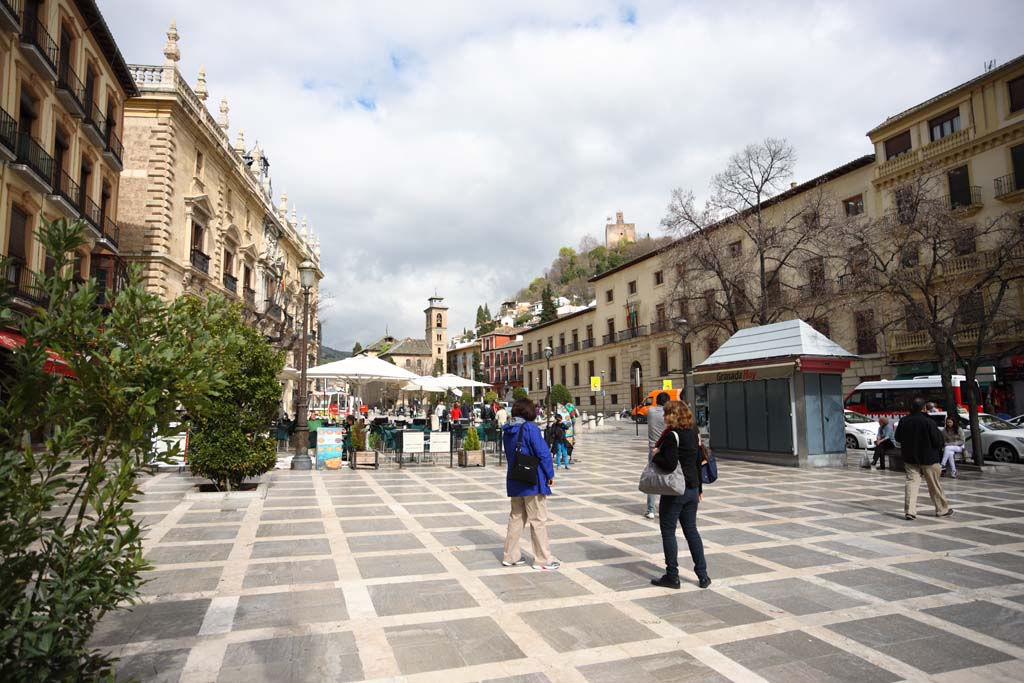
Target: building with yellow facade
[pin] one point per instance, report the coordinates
(63, 87)
(198, 213)
(970, 138)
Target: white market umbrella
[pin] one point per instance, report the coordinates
(425, 383)
(362, 369)
(450, 381)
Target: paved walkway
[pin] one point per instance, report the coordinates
(348, 576)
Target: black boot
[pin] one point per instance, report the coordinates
(704, 582)
(666, 582)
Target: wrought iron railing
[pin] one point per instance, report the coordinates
(608, 338)
(8, 131)
(111, 230)
(200, 261)
(32, 154)
(963, 200)
(231, 283)
(663, 325)
(559, 350)
(95, 118)
(64, 186)
(34, 33)
(91, 211)
(12, 6)
(573, 346)
(1008, 183)
(587, 344)
(114, 145)
(68, 80)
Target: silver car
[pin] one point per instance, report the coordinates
(861, 430)
(1001, 441)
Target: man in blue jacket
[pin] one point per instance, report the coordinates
(528, 500)
(921, 445)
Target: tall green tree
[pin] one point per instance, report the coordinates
(548, 312)
(71, 548)
(231, 438)
(357, 348)
(480, 316)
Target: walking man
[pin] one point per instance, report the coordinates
(655, 426)
(921, 444)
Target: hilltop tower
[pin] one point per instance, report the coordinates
(437, 331)
(616, 232)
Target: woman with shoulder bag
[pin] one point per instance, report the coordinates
(679, 448)
(528, 483)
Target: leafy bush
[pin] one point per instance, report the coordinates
(472, 440)
(359, 436)
(375, 440)
(490, 397)
(71, 549)
(560, 394)
(519, 393)
(231, 440)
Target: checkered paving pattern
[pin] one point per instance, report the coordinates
(395, 575)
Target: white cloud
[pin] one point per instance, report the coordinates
(510, 129)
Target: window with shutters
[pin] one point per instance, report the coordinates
(854, 206)
(897, 145)
(662, 360)
(1016, 88)
(867, 332)
(947, 124)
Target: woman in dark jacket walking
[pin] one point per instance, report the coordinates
(528, 500)
(679, 447)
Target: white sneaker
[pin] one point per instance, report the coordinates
(549, 566)
(649, 515)
(517, 563)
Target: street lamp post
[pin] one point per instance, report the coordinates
(548, 352)
(683, 326)
(301, 460)
(604, 412)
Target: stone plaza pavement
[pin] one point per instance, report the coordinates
(395, 575)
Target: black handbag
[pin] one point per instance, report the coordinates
(526, 465)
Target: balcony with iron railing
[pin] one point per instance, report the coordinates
(111, 231)
(33, 163)
(38, 46)
(1008, 185)
(200, 261)
(10, 15)
(852, 281)
(66, 193)
(608, 338)
(95, 125)
(572, 347)
(661, 325)
(633, 333)
(964, 202)
(811, 291)
(1000, 331)
(8, 136)
(91, 212)
(24, 283)
(273, 310)
(113, 152)
(560, 350)
(587, 344)
(70, 90)
(230, 283)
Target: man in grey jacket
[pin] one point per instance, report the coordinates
(655, 426)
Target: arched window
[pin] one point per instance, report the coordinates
(439, 320)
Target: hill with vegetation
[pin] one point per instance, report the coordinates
(327, 354)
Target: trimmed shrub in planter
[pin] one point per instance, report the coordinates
(360, 455)
(519, 393)
(471, 455)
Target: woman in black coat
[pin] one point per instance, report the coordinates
(678, 447)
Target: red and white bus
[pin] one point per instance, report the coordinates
(892, 398)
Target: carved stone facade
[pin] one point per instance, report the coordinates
(198, 212)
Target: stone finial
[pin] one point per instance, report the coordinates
(284, 202)
(305, 229)
(240, 142)
(295, 216)
(201, 92)
(222, 120)
(171, 52)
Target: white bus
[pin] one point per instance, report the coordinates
(891, 398)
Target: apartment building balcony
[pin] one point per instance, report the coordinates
(1009, 187)
(273, 310)
(38, 46)
(947, 144)
(70, 90)
(230, 283)
(812, 290)
(33, 164)
(10, 15)
(8, 135)
(1001, 332)
(853, 281)
(111, 231)
(662, 325)
(23, 283)
(572, 347)
(966, 202)
(92, 214)
(608, 339)
(633, 333)
(586, 344)
(200, 261)
(897, 164)
(113, 152)
(249, 296)
(560, 350)
(65, 193)
(95, 126)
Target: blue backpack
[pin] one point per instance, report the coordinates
(708, 466)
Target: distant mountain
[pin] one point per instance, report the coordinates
(327, 354)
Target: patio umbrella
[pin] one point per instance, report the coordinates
(425, 383)
(362, 369)
(450, 381)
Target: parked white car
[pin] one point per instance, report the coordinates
(1001, 441)
(861, 430)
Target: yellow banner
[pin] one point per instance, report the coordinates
(595, 384)
(666, 384)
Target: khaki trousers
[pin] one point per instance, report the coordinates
(930, 473)
(530, 510)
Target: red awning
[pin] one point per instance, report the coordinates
(55, 364)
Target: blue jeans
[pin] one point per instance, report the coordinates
(683, 510)
(562, 455)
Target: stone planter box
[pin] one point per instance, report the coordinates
(259, 492)
(365, 459)
(472, 459)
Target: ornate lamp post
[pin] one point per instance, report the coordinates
(307, 279)
(683, 326)
(548, 352)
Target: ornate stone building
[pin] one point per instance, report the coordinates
(198, 212)
(63, 86)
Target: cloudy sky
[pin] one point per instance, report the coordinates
(456, 145)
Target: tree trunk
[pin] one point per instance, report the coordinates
(971, 397)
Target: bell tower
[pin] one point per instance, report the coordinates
(437, 331)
